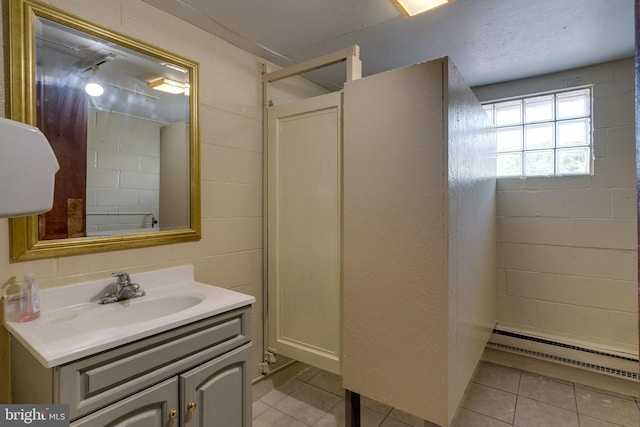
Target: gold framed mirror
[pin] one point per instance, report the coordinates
(129, 153)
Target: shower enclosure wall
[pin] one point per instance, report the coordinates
(419, 238)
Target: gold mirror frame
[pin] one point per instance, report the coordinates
(24, 237)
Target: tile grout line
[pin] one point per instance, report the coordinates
(575, 400)
(515, 408)
(488, 416)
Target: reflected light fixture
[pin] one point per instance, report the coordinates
(94, 88)
(175, 67)
(411, 8)
(169, 86)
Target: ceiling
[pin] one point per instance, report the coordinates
(71, 58)
(490, 41)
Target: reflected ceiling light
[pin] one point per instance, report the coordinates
(175, 67)
(411, 8)
(169, 86)
(94, 88)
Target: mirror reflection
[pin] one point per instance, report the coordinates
(122, 118)
(118, 121)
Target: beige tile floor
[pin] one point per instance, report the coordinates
(497, 397)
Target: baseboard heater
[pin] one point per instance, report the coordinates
(617, 364)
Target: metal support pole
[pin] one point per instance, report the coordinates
(352, 410)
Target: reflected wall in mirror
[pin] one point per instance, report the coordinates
(121, 116)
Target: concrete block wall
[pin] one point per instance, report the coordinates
(123, 174)
(230, 251)
(567, 255)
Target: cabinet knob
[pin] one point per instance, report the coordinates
(173, 414)
(192, 406)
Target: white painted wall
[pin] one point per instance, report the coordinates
(230, 251)
(567, 255)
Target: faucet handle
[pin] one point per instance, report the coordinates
(123, 278)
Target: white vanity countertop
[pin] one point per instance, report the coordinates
(73, 325)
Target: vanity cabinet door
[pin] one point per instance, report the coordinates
(218, 393)
(149, 408)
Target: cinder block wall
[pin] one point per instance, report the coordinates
(567, 252)
(121, 181)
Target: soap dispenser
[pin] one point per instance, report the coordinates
(13, 305)
(30, 302)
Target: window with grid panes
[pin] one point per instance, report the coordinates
(543, 135)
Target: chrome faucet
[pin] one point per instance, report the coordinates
(124, 289)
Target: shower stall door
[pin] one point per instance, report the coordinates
(304, 230)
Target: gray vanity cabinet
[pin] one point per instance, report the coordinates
(149, 408)
(212, 395)
(195, 375)
(215, 393)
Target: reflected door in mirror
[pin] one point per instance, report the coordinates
(174, 176)
(65, 126)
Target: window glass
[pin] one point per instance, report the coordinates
(538, 162)
(509, 139)
(539, 136)
(573, 161)
(538, 109)
(508, 113)
(543, 135)
(573, 132)
(509, 164)
(574, 104)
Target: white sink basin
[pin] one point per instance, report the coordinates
(73, 325)
(129, 312)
